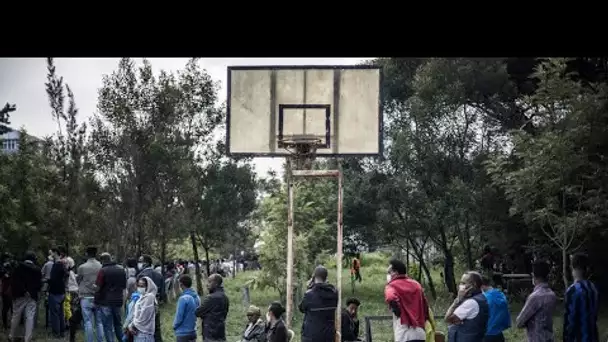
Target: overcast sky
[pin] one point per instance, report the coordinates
(22, 83)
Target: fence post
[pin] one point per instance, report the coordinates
(246, 298)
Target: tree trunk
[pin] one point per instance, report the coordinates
(407, 254)
(427, 272)
(163, 253)
(448, 270)
(467, 234)
(208, 261)
(565, 269)
(197, 267)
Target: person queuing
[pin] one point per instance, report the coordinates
(142, 327)
(468, 315)
(537, 313)
(255, 331)
(87, 278)
(319, 308)
(407, 302)
(276, 331)
(57, 284)
(214, 310)
(147, 270)
(582, 304)
(349, 321)
(26, 284)
(111, 283)
(184, 323)
(500, 318)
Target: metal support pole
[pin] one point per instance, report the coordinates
(290, 214)
(339, 258)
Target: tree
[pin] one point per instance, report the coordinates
(555, 186)
(5, 116)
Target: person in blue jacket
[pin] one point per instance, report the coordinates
(500, 319)
(126, 337)
(184, 324)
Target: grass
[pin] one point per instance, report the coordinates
(369, 292)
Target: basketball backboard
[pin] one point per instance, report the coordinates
(339, 105)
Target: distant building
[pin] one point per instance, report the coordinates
(10, 141)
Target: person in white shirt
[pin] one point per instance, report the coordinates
(468, 315)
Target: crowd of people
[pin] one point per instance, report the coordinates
(115, 303)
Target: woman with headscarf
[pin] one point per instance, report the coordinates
(256, 328)
(142, 326)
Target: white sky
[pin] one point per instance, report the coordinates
(22, 83)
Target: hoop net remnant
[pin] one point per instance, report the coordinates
(302, 150)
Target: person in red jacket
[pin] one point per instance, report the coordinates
(406, 300)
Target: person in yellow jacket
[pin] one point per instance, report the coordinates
(430, 328)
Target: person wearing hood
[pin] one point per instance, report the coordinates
(147, 270)
(184, 324)
(142, 327)
(26, 284)
(256, 328)
(214, 310)
(407, 302)
(319, 307)
(111, 284)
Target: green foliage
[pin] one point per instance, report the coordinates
(5, 116)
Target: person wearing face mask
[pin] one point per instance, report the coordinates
(256, 328)
(275, 328)
(214, 310)
(134, 297)
(147, 270)
(468, 315)
(184, 323)
(142, 326)
(537, 313)
(406, 300)
(582, 304)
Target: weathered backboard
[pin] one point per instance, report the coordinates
(340, 105)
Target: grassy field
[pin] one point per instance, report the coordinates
(370, 293)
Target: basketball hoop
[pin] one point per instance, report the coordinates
(302, 149)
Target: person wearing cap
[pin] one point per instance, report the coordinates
(26, 284)
(319, 307)
(256, 328)
(184, 323)
(111, 284)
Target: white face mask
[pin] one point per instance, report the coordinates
(268, 317)
(140, 265)
(388, 278)
(141, 290)
(462, 287)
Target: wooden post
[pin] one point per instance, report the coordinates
(290, 214)
(339, 258)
